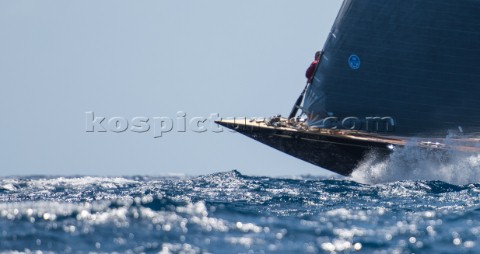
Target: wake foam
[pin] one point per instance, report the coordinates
(414, 163)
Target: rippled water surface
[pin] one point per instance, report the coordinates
(234, 213)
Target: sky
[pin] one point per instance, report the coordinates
(66, 65)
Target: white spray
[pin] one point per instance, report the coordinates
(414, 163)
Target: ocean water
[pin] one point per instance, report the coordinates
(229, 212)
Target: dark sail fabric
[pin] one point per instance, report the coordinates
(416, 62)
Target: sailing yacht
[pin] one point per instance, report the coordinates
(393, 73)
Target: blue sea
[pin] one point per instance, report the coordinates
(229, 212)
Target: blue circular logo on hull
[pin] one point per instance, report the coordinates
(354, 62)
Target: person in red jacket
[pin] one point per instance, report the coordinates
(311, 70)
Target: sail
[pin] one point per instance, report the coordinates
(415, 63)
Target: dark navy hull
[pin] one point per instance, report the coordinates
(332, 151)
(342, 151)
